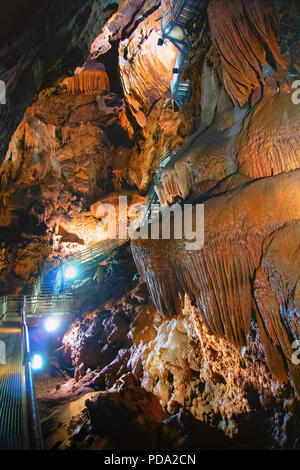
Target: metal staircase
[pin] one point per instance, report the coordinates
(94, 254)
(167, 156)
(49, 295)
(49, 284)
(175, 27)
(153, 205)
(19, 421)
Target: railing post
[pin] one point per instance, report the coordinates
(34, 427)
(3, 308)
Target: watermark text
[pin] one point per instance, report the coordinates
(179, 222)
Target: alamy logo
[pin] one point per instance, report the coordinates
(296, 94)
(187, 225)
(2, 353)
(2, 92)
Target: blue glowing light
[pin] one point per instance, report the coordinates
(51, 324)
(37, 362)
(70, 272)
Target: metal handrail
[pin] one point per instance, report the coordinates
(28, 297)
(152, 196)
(109, 243)
(39, 302)
(39, 306)
(3, 308)
(179, 15)
(96, 250)
(170, 153)
(33, 420)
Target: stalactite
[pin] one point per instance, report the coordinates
(243, 32)
(174, 182)
(87, 81)
(270, 146)
(268, 308)
(32, 149)
(219, 278)
(273, 355)
(257, 147)
(65, 134)
(119, 176)
(125, 124)
(274, 291)
(30, 137)
(265, 19)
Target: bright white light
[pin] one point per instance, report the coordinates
(70, 272)
(51, 324)
(37, 362)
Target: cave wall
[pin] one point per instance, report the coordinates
(215, 339)
(40, 45)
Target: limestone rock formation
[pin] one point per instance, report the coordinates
(219, 277)
(187, 368)
(40, 45)
(200, 348)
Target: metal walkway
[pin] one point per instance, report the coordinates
(94, 254)
(48, 297)
(35, 306)
(19, 421)
(175, 27)
(85, 261)
(12, 413)
(153, 204)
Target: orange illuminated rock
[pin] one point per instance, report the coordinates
(270, 141)
(205, 159)
(213, 346)
(145, 74)
(245, 34)
(146, 68)
(133, 198)
(128, 207)
(253, 145)
(87, 81)
(219, 277)
(127, 12)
